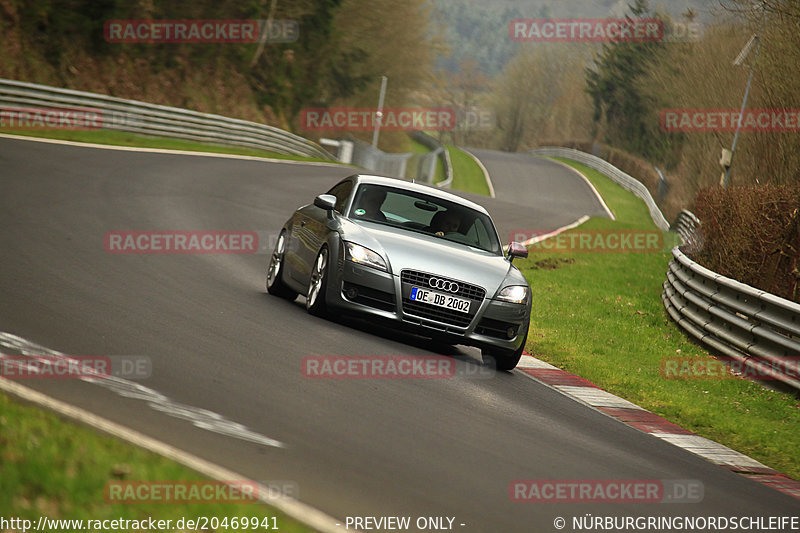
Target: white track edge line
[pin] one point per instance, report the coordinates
(483, 169)
(534, 240)
(589, 183)
(167, 151)
(301, 512)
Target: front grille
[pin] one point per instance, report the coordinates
(434, 312)
(465, 290)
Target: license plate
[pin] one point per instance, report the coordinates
(439, 299)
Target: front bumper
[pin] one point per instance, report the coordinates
(489, 324)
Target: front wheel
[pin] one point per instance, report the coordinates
(504, 359)
(318, 285)
(275, 284)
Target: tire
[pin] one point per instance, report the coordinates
(504, 359)
(275, 284)
(318, 285)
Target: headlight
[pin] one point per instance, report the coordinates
(364, 256)
(517, 294)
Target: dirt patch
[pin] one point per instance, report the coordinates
(551, 263)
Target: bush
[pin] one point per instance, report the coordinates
(752, 234)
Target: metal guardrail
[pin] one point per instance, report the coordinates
(438, 150)
(624, 180)
(448, 170)
(158, 120)
(686, 225)
(367, 156)
(758, 330)
(426, 168)
(755, 328)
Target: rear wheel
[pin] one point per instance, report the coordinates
(504, 359)
(318, 285)
(275, 284)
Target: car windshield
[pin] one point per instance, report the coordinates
(422, 213)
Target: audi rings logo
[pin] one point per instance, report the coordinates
(443, 284)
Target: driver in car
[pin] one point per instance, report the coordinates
(445, 222)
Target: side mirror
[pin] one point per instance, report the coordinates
(325, 201)
(516, 249)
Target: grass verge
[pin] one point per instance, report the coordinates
(467, 175)
(120, 138)
(55, 468)
(600, 316)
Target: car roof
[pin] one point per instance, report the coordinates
(418, 187)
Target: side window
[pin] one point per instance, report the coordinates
(479, 235)
(483, 235)
(342, 192)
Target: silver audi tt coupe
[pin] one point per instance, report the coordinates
(425, 259)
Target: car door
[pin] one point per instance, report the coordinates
(310, 228)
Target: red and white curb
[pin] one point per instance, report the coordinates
(631, 414)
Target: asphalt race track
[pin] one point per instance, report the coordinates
(353, 447)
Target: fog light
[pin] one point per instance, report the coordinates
(510, 332)
(351, 293)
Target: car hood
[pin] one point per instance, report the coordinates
(406, 249)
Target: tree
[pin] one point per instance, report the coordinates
(622, 110)
(537, 96)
